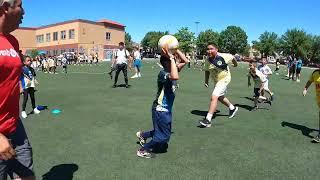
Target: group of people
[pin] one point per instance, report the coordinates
(294, 68)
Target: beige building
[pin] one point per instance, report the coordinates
(80, 36)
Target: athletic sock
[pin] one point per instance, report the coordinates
(209, 116)
(231, 107)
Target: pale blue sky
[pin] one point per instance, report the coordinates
(141, 16)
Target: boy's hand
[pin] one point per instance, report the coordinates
(6, 150)
(304, 93)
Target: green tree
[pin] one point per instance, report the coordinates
(233, 40)
(150, 40)
(34, 53)
(314, 54)
(128, 42)
(186, 39)
(205, 38)
(268, 43)
(296, 43)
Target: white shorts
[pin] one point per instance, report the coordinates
(266, 85)
(220, 88)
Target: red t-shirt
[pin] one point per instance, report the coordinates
(10, 72)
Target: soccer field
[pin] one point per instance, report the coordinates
(94, 136)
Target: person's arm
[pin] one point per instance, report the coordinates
(234, 62)
(306, 88)
(206, 78)
(183, 59)
(6, 150)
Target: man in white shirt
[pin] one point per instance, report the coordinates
(121, 60)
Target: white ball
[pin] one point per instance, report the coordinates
(169, 40)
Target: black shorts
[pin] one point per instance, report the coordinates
(298, 71)
(292, 69)
(256, 92)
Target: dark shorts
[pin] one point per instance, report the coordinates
(292, 69)
(137, 63)
(256, 92)
(162, 126)
(298, 71)
(22, 165)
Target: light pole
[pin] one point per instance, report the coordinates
(197, 35)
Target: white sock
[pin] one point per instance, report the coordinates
(231, 107)
(209, 116)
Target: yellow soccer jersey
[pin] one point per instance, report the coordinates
(315, 78)
(218, 67)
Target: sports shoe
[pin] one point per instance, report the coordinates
(114, 86)
(36, 111)
(298, 80)
(24, 114)
(255, 108)
(127, 86)
(233, 112)
(316, 139)
(135, 76)
(144, 154)
(142, 140)
(139, 75)
(205, 122)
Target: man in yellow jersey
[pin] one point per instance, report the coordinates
(217, 68)
(314, 78)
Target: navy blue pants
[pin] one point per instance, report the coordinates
(161, 129)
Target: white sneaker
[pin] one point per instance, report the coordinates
(298, 80)
(24, 114)
(36, 111)
(135, 76)
(139, 75)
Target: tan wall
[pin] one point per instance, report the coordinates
(26, 39)
(59, 28)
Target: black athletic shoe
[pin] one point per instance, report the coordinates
(127, 86)
(114, 86)
(205, 122)
(316, 139)
(233, 112)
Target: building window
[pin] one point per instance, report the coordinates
(63, 35)
(48, 37)
(108, 36)
(71, 34)
(55, 36)
(40, 38)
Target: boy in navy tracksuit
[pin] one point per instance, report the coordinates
(162, 106)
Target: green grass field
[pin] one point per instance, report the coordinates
(94, 136)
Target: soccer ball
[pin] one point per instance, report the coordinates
(168, 40)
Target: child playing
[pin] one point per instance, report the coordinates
(28, 82)
(314, 78)
(162, 106)
(259, 79)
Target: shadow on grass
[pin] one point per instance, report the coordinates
(246, 107)
(61, 172)
(304, 130)
(204, 113)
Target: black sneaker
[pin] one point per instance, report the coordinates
(232, 113)
(114, 86)
(127, 86)
(205, 122)
(316, 139)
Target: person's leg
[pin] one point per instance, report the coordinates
(125, 74)
(22, 166)
(3, 170)
(25, 99)
(33, 100)
(117, 75)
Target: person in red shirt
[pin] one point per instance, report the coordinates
(15, 150)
